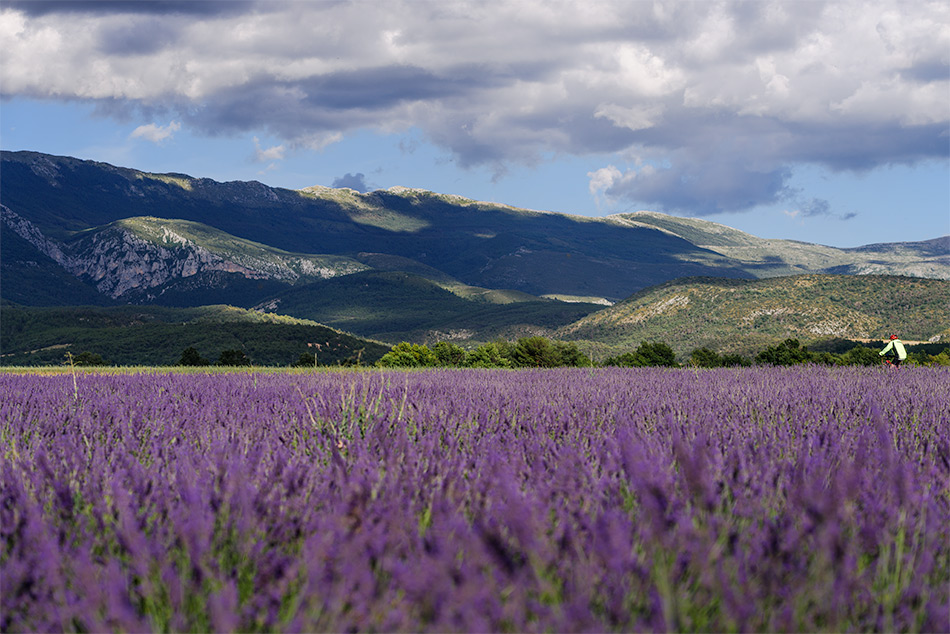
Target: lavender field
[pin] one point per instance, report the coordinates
(754, 499)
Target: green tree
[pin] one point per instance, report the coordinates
(89, 359)
(646, 354)
(408, 355)
(732, 360)
(569, 355)
(449, 354)
(305, 360)
(190, 356)
(705, 358)
(942, 359)
(789, 352)
(535, 352)
(233, 357)
(861, 355)
(488, 355)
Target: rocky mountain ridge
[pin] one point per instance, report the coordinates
(773, 257)
(137, 237)
(139, 254)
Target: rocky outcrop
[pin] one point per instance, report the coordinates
(118, 260)
(28, 231)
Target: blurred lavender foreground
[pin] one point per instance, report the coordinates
(758, 499)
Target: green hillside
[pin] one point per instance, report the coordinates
(413, 265)
(395, 263)
(744, 316)
(135, 335)
(770, 258)
(395, 306)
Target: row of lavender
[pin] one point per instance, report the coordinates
(569, 500)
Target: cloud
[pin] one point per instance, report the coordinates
(697, 188)
(353, 181)
(264, 155)
(812, 207)
(816, 207)
(710, 105)
(137, 37)
(156, 133)
(189, 7)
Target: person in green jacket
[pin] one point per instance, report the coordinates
(897, 346)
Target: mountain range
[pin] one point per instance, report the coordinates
(391, 264)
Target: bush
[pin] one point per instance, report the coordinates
(535, 352)
(305, 360)
(191, 357)
(646, 355)
(569, 355)
(233, 357)
(734, 360)
(449, 354)
(489, 355)
(705, 358)
(88, 359)
(922, 358)
(789, 352)
(408, 355)
(861, 355)
(941, 359)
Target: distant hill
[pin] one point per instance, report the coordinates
(149, 335)
(409, 264)
(744, 316)
(54, 202)
(396, 306)
(770, 258)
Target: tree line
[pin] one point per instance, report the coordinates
(539, 352)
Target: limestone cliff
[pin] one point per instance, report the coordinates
(143, 253)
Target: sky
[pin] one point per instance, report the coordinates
(826, 122)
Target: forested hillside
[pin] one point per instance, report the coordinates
(743, 316)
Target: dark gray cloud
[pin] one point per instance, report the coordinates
(855, 147)
(141, 37)
(699, 188)
(353, 181)
(709, 163)
(338, 101)
(383, 87)
(928, 71)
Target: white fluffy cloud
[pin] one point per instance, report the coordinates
(263, 155)
(719, 100)
(156, 133)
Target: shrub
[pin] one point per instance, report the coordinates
(789, 352)
(191, 357)
(535, 352)
(233, 357)
(305, 360)
(489, 355)
(705, 358)
(449, 354)
(860, 355)
(408, 355)
(646, 355)
(88, 359)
